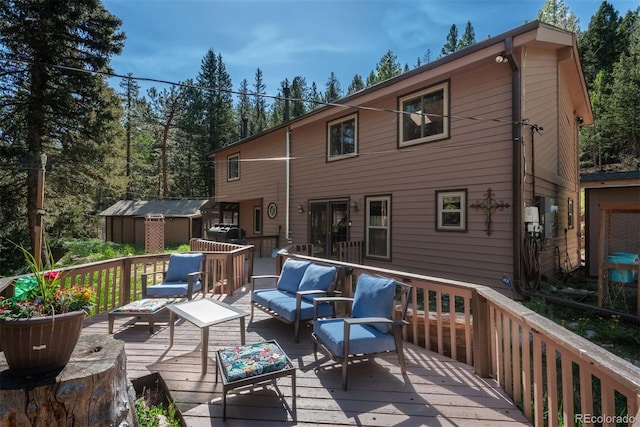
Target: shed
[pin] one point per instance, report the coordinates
(610, 188)
(124, 220)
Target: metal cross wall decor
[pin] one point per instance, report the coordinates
(490, 205)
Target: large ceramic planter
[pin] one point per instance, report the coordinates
(41, 344)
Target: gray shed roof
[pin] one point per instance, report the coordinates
(167, 208)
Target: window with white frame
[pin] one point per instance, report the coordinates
(257, 220)
(233, 167)
(342, 137)
(452, 210)
(378, 227)
(425, 115)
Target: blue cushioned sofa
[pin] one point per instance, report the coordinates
(291, 300)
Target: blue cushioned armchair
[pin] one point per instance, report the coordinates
(291, 301)
(182, 278)
(371, 328)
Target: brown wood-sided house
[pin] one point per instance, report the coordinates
(432, 170)
(125, 220)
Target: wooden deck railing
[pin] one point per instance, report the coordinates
(228, 267)
(554, 375)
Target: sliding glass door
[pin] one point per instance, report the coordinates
(328, 224)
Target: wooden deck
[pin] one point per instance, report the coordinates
(436, 391)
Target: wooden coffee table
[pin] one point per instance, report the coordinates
(203, 313)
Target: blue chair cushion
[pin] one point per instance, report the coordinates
(167, 289)
(286, 308)
(363, 339)
(374, 298)
(181, 264)
(265, 296)
(291, 275)
(284, 303)
(318, 278)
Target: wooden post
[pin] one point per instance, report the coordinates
(481, 333)
(39, 226)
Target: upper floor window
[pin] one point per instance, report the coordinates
(378, 227)
(233, 167)
(452, 210)
(342, 137)
(426, 115)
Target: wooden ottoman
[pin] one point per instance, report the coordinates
(251, 365)
(144, 309)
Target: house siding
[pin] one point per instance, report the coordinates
(553, 157)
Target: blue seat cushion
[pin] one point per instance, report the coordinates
(291, 275)
(264, 297)
(181, 264)
(374, 298)
(317, 277)
(284, 303)
(166, 289)
(286, 308)
(363, 339)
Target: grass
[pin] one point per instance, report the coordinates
(91, 250)
(610, 332)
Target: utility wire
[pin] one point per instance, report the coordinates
(524, 122)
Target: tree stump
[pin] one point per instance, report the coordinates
(91, 390)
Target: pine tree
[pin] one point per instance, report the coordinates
(243, 107)
(67, 115)
(258, 115)
(625, 101)
(315, 98)
(356, 84)
(386, 68)
(298, 94)
(333, 92)
(452, 41)
(468, 38)
(600, 44)
(556, 13)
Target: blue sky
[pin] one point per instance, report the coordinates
(167, 39)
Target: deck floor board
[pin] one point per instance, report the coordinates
(436, 391)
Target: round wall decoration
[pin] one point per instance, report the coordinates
(272, 210)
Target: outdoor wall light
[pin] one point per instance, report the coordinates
(300, 208)
(501, 59)
(353, 205)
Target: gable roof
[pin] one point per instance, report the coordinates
(167, 208)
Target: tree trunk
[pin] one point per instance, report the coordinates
(92, 390)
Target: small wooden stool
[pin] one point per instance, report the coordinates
(253, 364)
(145, 309)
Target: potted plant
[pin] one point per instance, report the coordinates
(41, 323)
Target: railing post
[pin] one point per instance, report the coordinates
(229, 273)
(125, 295)
(481, 334)
(250, 265)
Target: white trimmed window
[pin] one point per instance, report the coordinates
(378, 226)
(452, 210)
(233, 167)
(426, 115)
(342, 137)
